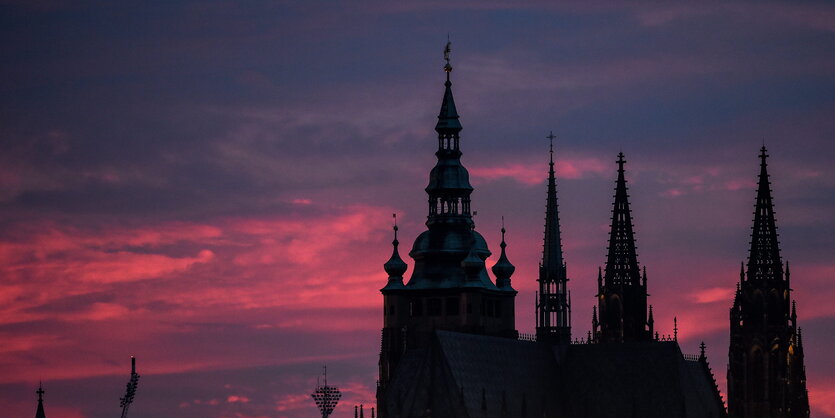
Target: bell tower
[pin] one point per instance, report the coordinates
(449, 288)
(766, 375)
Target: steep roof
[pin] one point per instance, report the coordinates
(467, 375)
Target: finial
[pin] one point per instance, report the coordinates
(702, 355)
(763, 155)
(551, 141)
(620, 161)
(503, 232)
(447, 49)
(40, 391)
(675, 328)
(394, 215)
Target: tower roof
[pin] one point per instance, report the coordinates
(552, 259)
(764, 255)
(40, 413)
(622, 260)
(503, 269)
(448, 116)
(395, 266)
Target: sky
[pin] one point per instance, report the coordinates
(208, 185)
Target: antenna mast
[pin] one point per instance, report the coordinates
(130, 391)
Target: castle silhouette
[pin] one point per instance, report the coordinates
(450, 347)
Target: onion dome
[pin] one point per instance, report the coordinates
(503, 269)
(472, 264)
(395, 267)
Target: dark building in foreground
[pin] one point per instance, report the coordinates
(766, 376)
(450, 346)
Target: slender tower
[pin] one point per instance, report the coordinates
(622, 292)
(766, 375)
(553, 305)
(40, 413)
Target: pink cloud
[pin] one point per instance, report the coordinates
(714, 294)
(533, 173)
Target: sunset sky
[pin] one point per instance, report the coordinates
(208, 185)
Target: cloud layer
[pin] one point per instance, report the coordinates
(209, 185)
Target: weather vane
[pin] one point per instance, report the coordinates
(447, 49)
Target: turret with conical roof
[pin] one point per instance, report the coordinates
(766, 375)
(622, 292)
(553, 309)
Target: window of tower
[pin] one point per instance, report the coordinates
(433, 307)
(452, 306)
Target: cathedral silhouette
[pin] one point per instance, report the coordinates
(450, 347)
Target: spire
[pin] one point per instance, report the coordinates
(395, 267)
(449, 186)
(553, 306)
(503, 269)
(764, 256)
(40, 413)
(622, 260)
(552, 259)
(622, 289)
(448, 117)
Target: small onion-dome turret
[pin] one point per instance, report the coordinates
(395, 267)
(503, 269)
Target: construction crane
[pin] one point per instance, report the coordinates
(130, 392)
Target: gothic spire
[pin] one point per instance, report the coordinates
(553, 305)
(622, 290)
(622, 260)
(764, 256)
(40, 413)
(552, 259)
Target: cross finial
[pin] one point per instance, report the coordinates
(40, 391)
(551, 138)
(702, 349)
